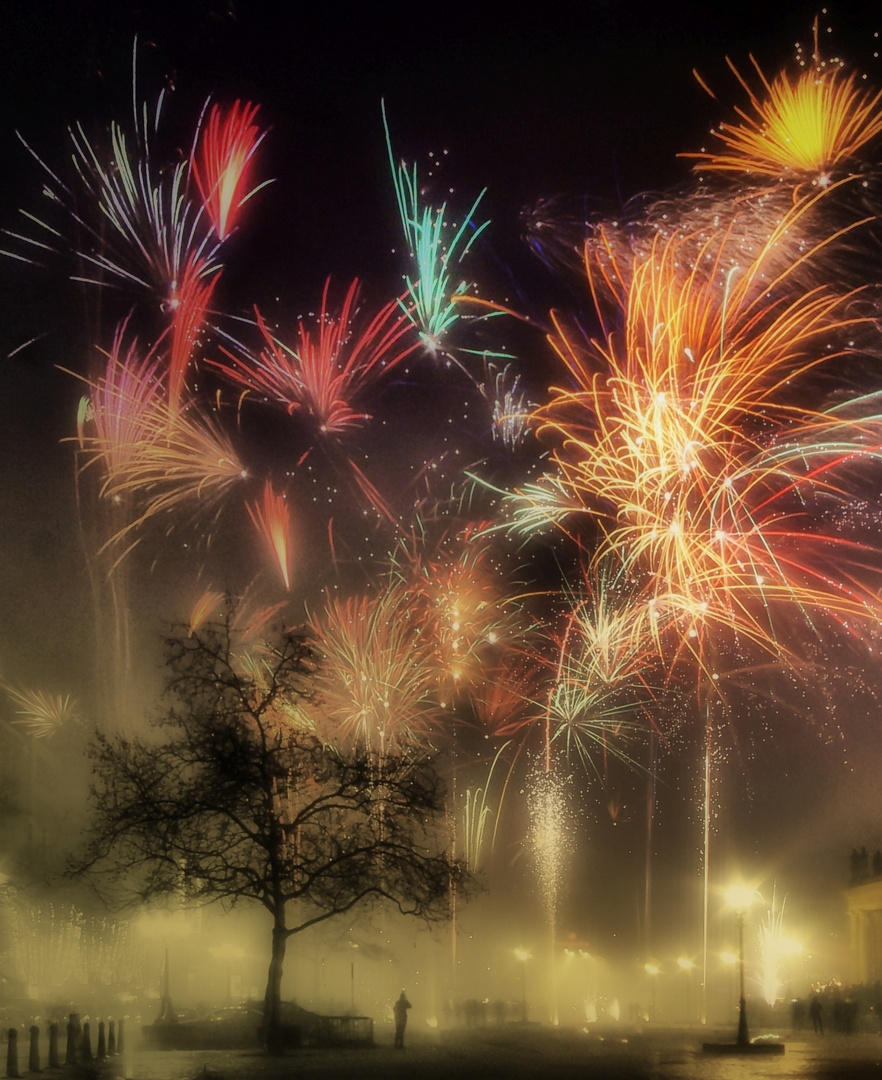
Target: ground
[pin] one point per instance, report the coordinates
(519, 1052)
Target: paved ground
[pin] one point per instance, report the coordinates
(514, 1052)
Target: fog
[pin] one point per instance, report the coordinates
(600, 842)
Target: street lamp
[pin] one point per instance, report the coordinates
(523, 955)
(739, 898)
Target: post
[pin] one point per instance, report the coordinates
(34, 1050)
(86, 1045)
(111, 1038)
(70, 1053)
(12, 1054)
(743, 1038)
(102, 1044)
(54, 1061)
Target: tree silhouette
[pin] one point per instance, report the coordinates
(237, 798)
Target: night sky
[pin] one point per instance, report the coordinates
(586, 103)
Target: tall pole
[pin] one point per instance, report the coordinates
(743, 1039)
(706, 833)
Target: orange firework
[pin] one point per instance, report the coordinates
(462, 586)
(227, 144)
(686, 441)
(272, 521)
(206, 607)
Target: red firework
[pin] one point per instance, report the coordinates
(221, 166)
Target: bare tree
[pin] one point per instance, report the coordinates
(238, 799)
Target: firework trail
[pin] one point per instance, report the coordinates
(189, 308)
(272, 520)
(221, 165)
(773, 945)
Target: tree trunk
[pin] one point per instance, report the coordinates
(273, 1033)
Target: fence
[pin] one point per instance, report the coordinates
(78, 1044)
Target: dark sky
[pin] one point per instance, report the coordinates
(591, 100)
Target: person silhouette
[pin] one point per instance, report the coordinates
(399, 1011)
(815, 1010)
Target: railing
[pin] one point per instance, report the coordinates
(342, 1031)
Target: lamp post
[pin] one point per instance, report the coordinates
(652, 970)
(739, 898)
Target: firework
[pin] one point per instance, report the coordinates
(551, 835)
(329, 367)
(122, 400)
(191, 297)
(436, 247)
(808, 125)
(468, 615)
(272, 520)
(227, 143)
(687, 444)
(41, 713)
(154, 462)
(476, 813)
(378, 679)
(204, 610)
(136, 226)
(597, 684)
(511, 408)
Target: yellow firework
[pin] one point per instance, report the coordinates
(807, 124)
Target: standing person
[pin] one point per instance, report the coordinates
(815, 1013)
(399, 1011)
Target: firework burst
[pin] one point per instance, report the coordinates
(807, 125)
(330, 366)
(378, 680)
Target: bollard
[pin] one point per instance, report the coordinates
(70, 1052)
(12, 1054)
(86, 1044)
(54, 1062)
(102, 1045)
(34, 1051)
(111, 1038)
(119, 1035)
(74, 1031)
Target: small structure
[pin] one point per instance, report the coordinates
(342, 1031)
